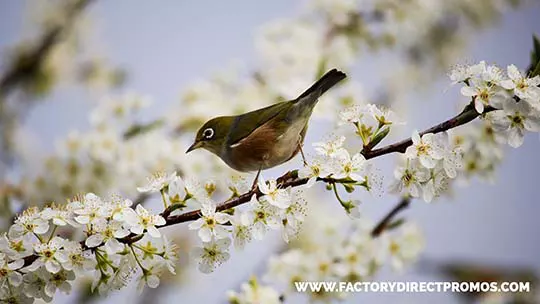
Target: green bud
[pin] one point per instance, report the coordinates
(348, 187)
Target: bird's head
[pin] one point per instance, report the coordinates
(213, 134)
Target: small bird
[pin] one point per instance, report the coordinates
(266, 137)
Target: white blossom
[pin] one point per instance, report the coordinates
(59, 216)
(484, 94)
(357, 114)
(119, 208)
(210, 224)
(150, 277)
(523, 87)
(30, 222)
(436, 185)
(293, 217)
(274, 195)
(8, 271)
(333, 147)
(177, 190)
(350, 167)
(35, 283)
(384, 116)
(90, 210)
(108, 234)
(50, 254)
(427, 149)
(170, 254)
(58, 281)
(262, 217)
(410, 178)
(514, 119)
(142, 220)
(212, 254)
(316, 168)
(252, 293)
(77, 260)
(15, 248)
(157, 182)
(241, 229)
(404, 247)
(460, 73)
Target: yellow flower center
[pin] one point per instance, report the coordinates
(422, 149)
(210, 222)
(394, 247)
(323, 267)
(408, 178)
(48, 253)
(211, 253)
(517, 120)
(352, 258)
(484, 95)
(522, 84)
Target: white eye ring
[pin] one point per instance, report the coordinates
(208, 133)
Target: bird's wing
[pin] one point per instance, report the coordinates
(254, 120)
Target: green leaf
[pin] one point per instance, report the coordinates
(379, 137)
(395, 224)
(534, 68)
(536, 71)
(138, 129)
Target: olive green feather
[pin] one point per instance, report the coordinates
(284, 112)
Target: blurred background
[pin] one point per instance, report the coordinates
(96, 95)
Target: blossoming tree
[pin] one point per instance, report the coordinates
(117, 238)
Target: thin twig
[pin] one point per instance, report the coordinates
(467, 115)
(387, 220)
(36, 56)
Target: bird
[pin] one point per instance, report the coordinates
(267, 137)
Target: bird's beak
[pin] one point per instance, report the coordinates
(196, 145)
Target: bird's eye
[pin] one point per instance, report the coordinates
(208, 133)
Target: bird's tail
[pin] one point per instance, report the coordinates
(327, 81)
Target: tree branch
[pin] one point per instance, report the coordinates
(467, 115)
(35, 57)
(387, 220)
(291, 179)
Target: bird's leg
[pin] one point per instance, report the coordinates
(255, 181)
(300, 144)
(303, 156)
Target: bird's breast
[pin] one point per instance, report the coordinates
(265, 148)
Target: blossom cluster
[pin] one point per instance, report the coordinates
(36, 260)
(331, 255)
(277, 208)
(513, 96)
(430, 163)
(509, 104)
